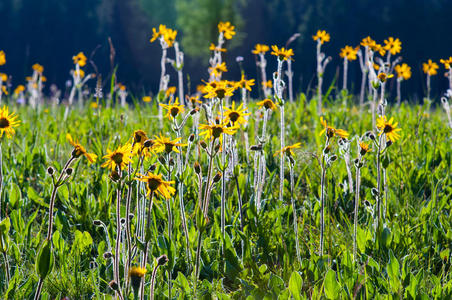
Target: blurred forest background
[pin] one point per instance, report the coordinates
(50, 32)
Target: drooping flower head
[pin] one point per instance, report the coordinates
(38, 68)
(173, 109)
(430, 67)
(288, 150)
(227, 29)
(392, 45)
(136, 274)
(156, 185)
(267, 104)
(321, 36)
(403, 71)
(260, 49)
(170, 91)
(79, 59)
(349, 53)
(389, 128)
(382, 76)
(19, 89)
(283, 53)
(236, 115)
(166, 144)
(7, 122)
(79, 150)
(121, 157)
(331, 131)
(364, 148)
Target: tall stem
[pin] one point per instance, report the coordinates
(294, 210)
(322, 205)
(355, 221)
(344, 85)
(148, 224)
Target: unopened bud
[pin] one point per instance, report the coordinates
(152, 168)
(191, 138)
(194, 111)
(50, 170)
(107, 255)
(217, 147)
(333, 158)
(131, 216)
(123, 221)
(388, 143)
(97, 222)
(217, 177)
(113, 285)
(92, 265)
(162, 260)
(69, 171)
(256, 147)
(197, 168)
(162, 160)
(203, 144)
(374, 192)
(114, 175)
(171, 161)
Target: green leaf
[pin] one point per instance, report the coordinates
(44, 259)
(14, 195)
(331, 286)
(263, 269)
(393, 269)
(295, 285)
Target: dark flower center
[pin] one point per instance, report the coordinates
(234, 116)
(154, 183)
(388, 128)
(221, 93)
(174, 111)
(217, 131)
(169, 147)
(4, 123)
(117, 158)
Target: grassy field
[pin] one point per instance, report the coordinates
(407, 255)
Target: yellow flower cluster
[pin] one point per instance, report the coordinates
(168, 35)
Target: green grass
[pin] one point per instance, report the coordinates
(408, 257)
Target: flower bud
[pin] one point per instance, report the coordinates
(107, 255)
(69, 171)
(50, 170)
(191, 138)
(162, 160)
(97, 223)
(92, 265)
(388, 143)
(162, 260)
(256, 147)
(152, 168)
(113, 285)
(217, 147)
(217, 177)
(171, 161)
(333, 158)
(114, 175)
(131, 216)
(123, 221)
(194, 111)
(197, 168)
(203, 144)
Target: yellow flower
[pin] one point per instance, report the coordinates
(321, 36)
(146, 99)
(217, 129)
(4, 90)
(403, 71)
(173, 109)
(349, 52)
(267, 103)
(364, 148)
(288, 150)
(331, 131)
(79, 59)
(389, 128)
(392, 45)
(2, 58)
(79, 73)
(282, 53)
(245, 84)
(169, 35)
(139, 139)
(227, 29)
(170, 91)
(194, 100)
(19, 89)
(267, 84)
(7, 122)
(121, 157)
(218, 89)
(38, 68)
(121, 86)
(94, 105)
(260, 49)
(3, 77)
(79, 150)
(218, 69)
(166, 144)
(430, 67)
(236, 115)
(137, 272)
(446, 62)
(367, 41)
(383, 76)
(156, 184)
(215, 48)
